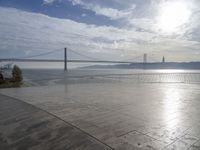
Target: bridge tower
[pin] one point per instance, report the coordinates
(65, 58)
(145, 58)
(163, 59)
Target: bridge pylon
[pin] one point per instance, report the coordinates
(65, 59)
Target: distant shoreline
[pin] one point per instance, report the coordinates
(150, 66)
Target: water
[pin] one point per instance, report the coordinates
(57, 76)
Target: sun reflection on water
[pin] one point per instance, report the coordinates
(170, 71)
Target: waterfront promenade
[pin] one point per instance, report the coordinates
(90, 116)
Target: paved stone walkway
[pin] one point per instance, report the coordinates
(117, 115)
(24, 127)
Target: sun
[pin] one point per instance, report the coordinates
(172, 16)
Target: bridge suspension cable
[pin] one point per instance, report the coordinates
(138, 56)
(93, 58)
(38, 55)
(83, 55)
(77, 53)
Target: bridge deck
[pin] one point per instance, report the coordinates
(58, 60)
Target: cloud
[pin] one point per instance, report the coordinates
(24, 33)
(109, 12)
(144, 15)
(36, 32)
(83, 15)
(48, 1)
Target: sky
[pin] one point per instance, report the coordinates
(101, 29)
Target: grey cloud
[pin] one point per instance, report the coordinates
(24, 33)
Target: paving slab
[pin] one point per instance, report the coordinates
(122, 115)
(25, 127)
(183, 143)
(195, 146)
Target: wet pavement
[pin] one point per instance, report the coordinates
(119, 116)
(23, 127)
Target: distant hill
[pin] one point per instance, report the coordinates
(166, 65)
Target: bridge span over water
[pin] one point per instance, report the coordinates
(87, 59)
(68, 60)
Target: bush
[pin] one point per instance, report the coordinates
(17, 74)
(2, 81)
(1, 76)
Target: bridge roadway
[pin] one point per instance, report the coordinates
(58, 60)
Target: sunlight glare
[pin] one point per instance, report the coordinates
(172, 105)
(172, 16)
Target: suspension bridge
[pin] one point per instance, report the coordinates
(89, 59)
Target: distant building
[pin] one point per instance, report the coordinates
(163, 59)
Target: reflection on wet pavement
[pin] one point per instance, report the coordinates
(124, 115)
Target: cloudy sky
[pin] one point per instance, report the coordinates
(103, 29)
